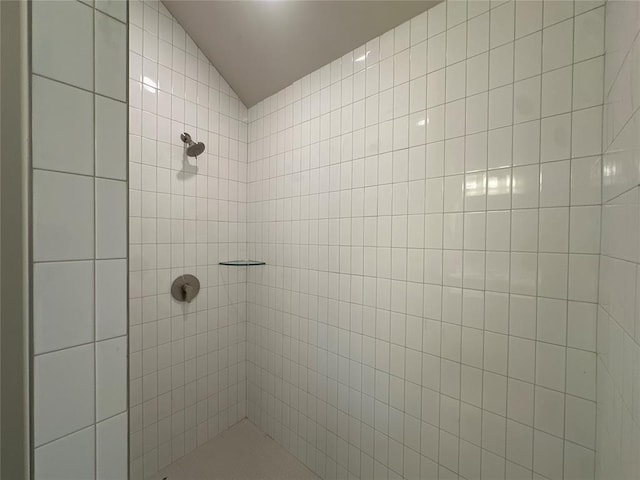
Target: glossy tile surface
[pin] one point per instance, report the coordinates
(111, 127)
(111, 373)
(62, 213)
(63, 393)
(187, 365)
(60, 52)
(62, 127)
(447, 337)
(110, 57)
(63, 305)
(111, 298)
(111, 450)
(111, 218)
(70, 457)
(79, 138)
(618, 427)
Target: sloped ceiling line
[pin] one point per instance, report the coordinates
(261, 47)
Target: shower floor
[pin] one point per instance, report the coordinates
(241, 453)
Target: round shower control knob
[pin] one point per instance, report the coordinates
(185, 288)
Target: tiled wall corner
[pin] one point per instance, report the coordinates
(618, 367)
(188, 361)
(427, 207)
(79, 202)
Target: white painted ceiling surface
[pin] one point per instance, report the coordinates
(261, 47)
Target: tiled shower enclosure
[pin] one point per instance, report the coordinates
(449, 217)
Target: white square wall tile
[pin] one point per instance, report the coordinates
(418, 27)
(111, 57)
(456, 44)
(589, 34)
(552, 320)
(555, 138)
(587, 83)
(436, 19)
(501, 66)
(580, 421)
(578, 461)
(62, 210)
(519, 443)
(436, 53)
(523, 273)
(111, 219)
(552, 275)
(526, 185)
(111, 298)
(62, 305)
(477, 75)
(550, 366)
(476, 113)
(71, 457)
(478, 35)
(520, 405)
(456, 12)
(524, 230)
(581, 373)
(556, 91)
(501, 106)
(586, 138)
(111, 377)
(502, 24)
(500, 147)
(402, 37)
(554, 230)
(581, 325)
(455, 81)
(585, 229)
(111, 138)
(477, 8)
(526, 104)
(62, 42)
(526, 142)
(583, 278)
(63, 392)
(586, 174)
(111, 448)
(528, 18)
(555, 12)
(528, 55)
(554, 184)
(557, 45)
(549, 411)
(547, 455)
(62, 127)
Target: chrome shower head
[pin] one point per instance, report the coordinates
(193, 149)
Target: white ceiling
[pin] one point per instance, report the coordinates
(261, 47)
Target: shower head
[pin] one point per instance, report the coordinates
(193, 149)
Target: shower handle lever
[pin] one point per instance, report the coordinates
(185, 288)
(188, 292)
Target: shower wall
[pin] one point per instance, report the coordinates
(79, 239)
(618, 314)
(187, 365)
(428, 206)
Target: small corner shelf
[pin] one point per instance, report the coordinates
(242, 263)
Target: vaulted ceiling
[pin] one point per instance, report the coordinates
(261, 47)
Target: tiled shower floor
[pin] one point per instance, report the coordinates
(241, 453)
